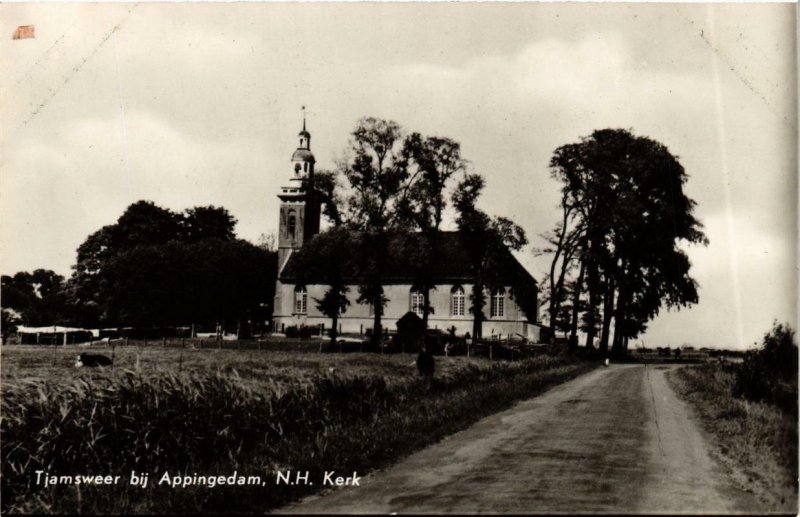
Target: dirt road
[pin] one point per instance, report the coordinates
(614, 440)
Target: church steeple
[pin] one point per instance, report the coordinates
(303, 158)
(300, 206)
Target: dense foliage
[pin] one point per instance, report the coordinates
(616, 253)
(153, 267)
(36, 298)
(769, 374)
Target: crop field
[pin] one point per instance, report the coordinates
(56, 364)
(215, 411)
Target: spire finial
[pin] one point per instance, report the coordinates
(304, 117)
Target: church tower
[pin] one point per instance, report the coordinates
(300, 207)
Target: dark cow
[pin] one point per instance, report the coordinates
(92, 360)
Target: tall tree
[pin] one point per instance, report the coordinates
(565, 245)
(488, 241)
(376, 175)
(431, 162)
(629, 204)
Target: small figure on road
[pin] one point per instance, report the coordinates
(425, 362)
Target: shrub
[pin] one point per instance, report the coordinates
(770, 373)
(303, 332)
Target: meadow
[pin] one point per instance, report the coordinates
(215, 411)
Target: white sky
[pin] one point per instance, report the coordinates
(194, 104)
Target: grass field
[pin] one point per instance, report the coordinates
(758, 442)
(211, 412)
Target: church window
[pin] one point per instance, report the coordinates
(417, 303)
(300, 299)
(497, 307)
(291, 226)
(457, 300)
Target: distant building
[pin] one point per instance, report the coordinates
(294, 302)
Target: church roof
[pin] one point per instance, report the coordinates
(451, 264)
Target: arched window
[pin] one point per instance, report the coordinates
(291, 225)
(497, 308)
(300, 299)
(457, 301)
(417, 303)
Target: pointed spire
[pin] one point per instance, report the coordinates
(304, 118)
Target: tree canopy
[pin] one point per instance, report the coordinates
(36, 298)
(490, 239)
(158, 267)
(624, 217)
(392, 182)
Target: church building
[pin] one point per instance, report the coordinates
(295, 298)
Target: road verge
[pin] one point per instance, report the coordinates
(756, 442)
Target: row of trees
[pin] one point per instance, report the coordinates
(393, 183)
(617, 249)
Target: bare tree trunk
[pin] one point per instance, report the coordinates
(591, 319)
(608, 310)
(564, 250)
(619, 320)
(334, 329)
(576, 299)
